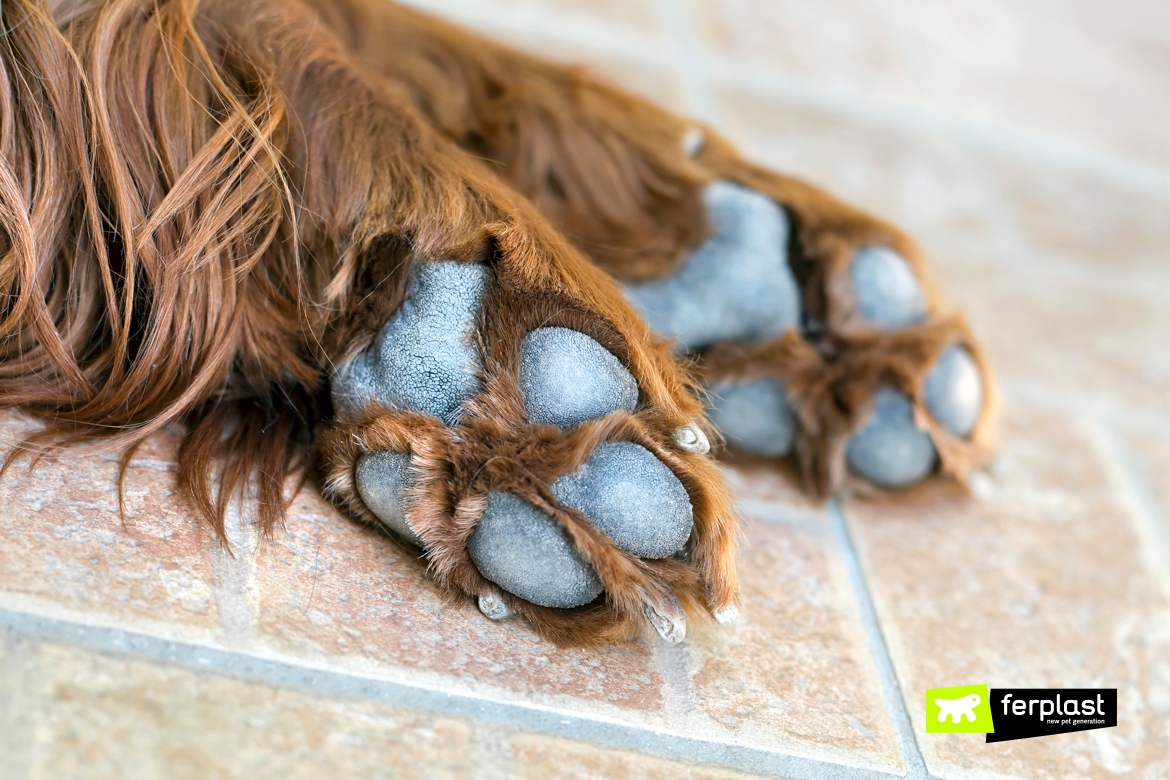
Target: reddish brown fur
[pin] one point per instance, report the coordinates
(612, 173)
(206, 205)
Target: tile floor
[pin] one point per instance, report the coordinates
(1024, 142)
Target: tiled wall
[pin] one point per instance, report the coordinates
(1024, 142)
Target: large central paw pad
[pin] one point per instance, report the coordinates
(736, 284)
(423, 360)
(623, 490)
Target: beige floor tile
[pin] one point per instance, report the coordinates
(1063, 331)
(836, 44)
(639, 15)
(1151, 463)
(797, 673)
(919, 181)
(1040, 583)
(1086, 75)
(540, 757)
(80, 714)
(330, 589)
(64, 547)
(654, 78)
(1084, 217)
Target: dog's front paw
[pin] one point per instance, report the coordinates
(851, 363)
(508, 435)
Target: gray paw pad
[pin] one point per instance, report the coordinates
(526, 553)
(567, 378)
(754, 416)
(631, 497)
(736, 284)
(424, 359)
(885, 290)
(624, 491)
(381, 482)
(891, 450)
(953, 391)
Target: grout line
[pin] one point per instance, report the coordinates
(1130, 479)
(675, 15)
(289, 673)
(891, 690)
(231, 572)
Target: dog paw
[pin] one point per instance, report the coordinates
(826, 342)
(518, 441)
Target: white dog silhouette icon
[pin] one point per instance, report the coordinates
(957, 708)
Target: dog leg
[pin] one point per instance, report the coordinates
(818, 330)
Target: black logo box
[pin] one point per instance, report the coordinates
(1020, 713)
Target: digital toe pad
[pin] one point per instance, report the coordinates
(624, 491)
(886, 292)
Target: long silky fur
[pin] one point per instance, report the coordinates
(207, 204)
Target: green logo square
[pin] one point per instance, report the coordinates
(962, 710)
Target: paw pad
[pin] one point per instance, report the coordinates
(890, 449)
(623, 490)
(526, 553)
(754, 416)
(631, 497)
(423, 360)
(736, 284)
(567, 378)
(953, 391)
(381, 482)
(886, 292)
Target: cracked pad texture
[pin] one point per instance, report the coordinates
(567, 378)
(891, 449)
(736, 284)
(381, 482)
(424, 359)
(631, 497)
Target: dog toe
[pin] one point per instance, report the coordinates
(953, 391)
(524, 551)
(890, 449)
(886, 292)
(754, 416)
(381, 479)
(567, 378)
(631, 497)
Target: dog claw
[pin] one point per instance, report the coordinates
(691, 439)
(667, 617)
(493, 607)
(726, 616)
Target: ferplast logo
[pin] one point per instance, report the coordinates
(1005, 714)
(962, 710)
